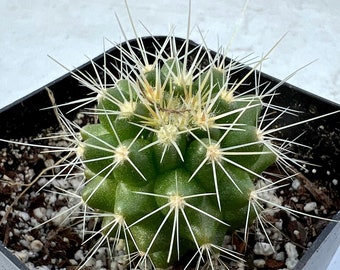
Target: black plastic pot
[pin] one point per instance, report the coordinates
(25, 118)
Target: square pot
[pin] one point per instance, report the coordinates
(24, 118)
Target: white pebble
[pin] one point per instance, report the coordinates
(114, 265)
(36, 245)
(39, 212)
(278, 224)
(263, 249)
(296, 184)
(22, 255)
(61, 217)
(24, 243)
(259, 263)
(99, 264)
(259, 236)
(73, 262)
(296, 233)
(90, 262)
(79, 256)
(239, 265)
(49, 163)
(291, 263)
(61, 184)
(226, 240)
(29, 174)
(75, 183)
(309, 207)
(294, 199)
(42, 181)
(292, 255)
(280, 256)
(30, 265)
(276, 235)
(29, 237)
(291, 250)
(120, 245)
(66, 240)
(51, 199)
(25, 216)
(335, 182)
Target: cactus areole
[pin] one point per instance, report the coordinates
(174, 155)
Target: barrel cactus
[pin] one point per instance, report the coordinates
(171, 164)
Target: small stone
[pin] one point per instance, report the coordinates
(227, 240)
(259, 236)
(263, 249)
(259, 263)
(66, 240)
(78, 256)
(296, 184)
(22, 255)
(91, 262)
(292, 255)
(114, 265)
(99, 264)
(39, 212)
(73, 262)
(36, 245)
(280, 256)
(42, 181)
(120, 245)
(25, 216)
(294, 199)
(276, 235)
(309, 207)
(291, 263)
(278, 224)
(61, 217)
(29, 237)
(49, 163)
(24, 243)
(291, 250)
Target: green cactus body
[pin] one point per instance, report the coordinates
(174, 158)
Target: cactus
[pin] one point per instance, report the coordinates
(173, 160)
(177, 154)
